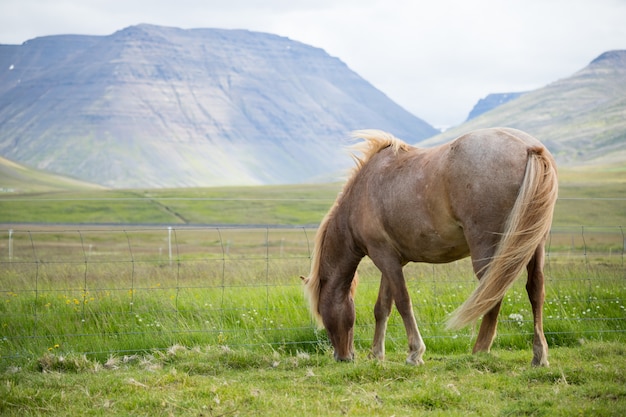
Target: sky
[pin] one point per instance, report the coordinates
(435, 58)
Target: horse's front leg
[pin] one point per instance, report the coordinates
(382, 309)
(394, 278)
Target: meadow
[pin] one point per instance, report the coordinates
(587, 196)
(153, 303)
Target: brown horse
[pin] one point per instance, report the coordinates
(489, 194)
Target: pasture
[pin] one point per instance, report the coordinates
(130, 317)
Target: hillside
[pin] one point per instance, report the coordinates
(581, 118)
(15, 178)
(151, 106)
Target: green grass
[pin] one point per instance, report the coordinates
(591, 197)
(285, 205)
(589, 379)
(68, 303)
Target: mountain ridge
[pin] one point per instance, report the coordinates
(490, 102)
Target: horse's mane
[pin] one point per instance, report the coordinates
(374, 142)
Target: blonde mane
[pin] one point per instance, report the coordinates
(374, 142)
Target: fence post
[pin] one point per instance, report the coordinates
(10, 245)
(169, 242)
(623, 244)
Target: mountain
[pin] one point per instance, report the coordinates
(581, 118)
(152, 106)
(491, 102)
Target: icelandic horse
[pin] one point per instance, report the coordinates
(489, 194)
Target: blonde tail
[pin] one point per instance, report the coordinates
(528, 224)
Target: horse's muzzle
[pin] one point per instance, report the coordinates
(348, 358)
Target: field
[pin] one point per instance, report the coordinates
(213, 381)
(152, 302)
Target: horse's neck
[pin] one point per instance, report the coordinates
(339, 253)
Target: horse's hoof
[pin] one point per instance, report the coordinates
(540, 363)
(414, 361)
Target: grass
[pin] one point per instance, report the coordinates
(285, 205)
(589, 379)
(591, 197)
(115, 290)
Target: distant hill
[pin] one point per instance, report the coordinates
(580, 118)
(152, 106)
(16, 178)
(491, 102)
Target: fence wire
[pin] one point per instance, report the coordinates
(113, 289)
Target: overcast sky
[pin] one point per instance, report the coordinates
(435, 58)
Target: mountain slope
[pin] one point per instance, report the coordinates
(17, 178)
(582, 118)
(151, 106)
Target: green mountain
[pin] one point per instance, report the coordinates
(152, 106)
(581, 118)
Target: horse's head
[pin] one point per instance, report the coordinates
(335, 308)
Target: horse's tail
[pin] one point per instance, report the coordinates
(527, 226)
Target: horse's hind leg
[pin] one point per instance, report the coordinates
(382, 309)
(405, 308)
(487, 331)
(489, 323)
(536, 294)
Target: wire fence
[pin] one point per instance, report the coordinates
(115, 289)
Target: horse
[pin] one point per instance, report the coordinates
(489, 194)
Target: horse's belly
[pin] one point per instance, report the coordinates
(436, 247)
(442, 254)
